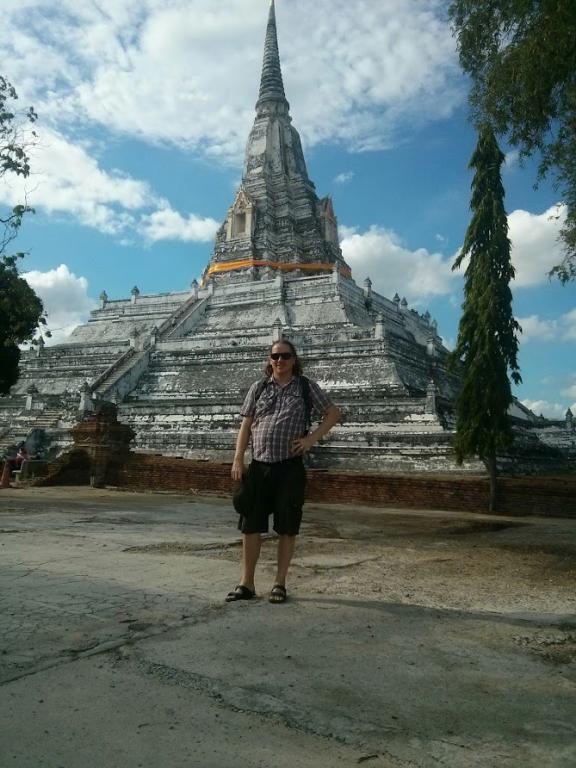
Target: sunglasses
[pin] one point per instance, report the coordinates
(281, 355)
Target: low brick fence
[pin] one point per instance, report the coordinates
(546, 496)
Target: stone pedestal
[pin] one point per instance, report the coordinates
(106, 442)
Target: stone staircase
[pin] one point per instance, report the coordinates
(118, 380)
(23, 423)
(183, 320)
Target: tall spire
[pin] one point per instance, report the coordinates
(276, 223)
(271, 85)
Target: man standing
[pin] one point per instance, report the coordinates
(276, 417)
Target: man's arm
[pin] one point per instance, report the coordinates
(241, 445)
(331, 417)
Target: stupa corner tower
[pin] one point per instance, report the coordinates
(276, 223)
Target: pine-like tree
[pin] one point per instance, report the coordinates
(487, 346)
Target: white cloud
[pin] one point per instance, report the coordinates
(344, 178)
(533, 328)
(380, 255)
(187, 71)
(547, 409)
(535, 245)
(344, 231)
(167, 224)
(65, 298)
(511, 160)
(67, 180)
(570, 390)
(568, 322)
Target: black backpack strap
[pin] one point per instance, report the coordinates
(260, 388)
(307, 400)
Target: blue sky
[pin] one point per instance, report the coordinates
(145, 107)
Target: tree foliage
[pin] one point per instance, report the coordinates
(487, 346)
(521, 55)
(21, 311)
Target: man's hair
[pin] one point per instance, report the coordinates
(297, 364)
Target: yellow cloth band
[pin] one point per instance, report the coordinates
(228, 266)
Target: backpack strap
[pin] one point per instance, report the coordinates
(260, 388)
(307, 400)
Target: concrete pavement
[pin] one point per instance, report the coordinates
(410, 638)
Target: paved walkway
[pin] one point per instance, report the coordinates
(410, 639)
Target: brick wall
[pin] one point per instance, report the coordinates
(549, 496)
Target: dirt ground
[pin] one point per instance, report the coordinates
(411, 638)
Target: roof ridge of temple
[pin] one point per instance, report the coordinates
(271, 83)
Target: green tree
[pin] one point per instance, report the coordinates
(521, 56)
(21, 311)
(487, 346)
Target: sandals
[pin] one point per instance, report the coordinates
(278, 594)
(240, 593)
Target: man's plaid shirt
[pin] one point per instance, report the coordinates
(280, 417)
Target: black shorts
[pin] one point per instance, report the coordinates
(272, 489)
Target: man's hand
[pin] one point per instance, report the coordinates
(303, 445)
(237, 469)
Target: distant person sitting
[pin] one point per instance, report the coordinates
(21, 456)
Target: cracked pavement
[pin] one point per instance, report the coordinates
(410, 638)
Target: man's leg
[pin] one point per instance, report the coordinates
(285, 552)
(250, 553)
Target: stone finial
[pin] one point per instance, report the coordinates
(368, 291)
(431, 346)
(40, 347)
(103, 299)
(86, 404)
(31, 392)
(277, 330)
(431, 399)
(133, 338)
(434, 326)
(135, 293)
(426, 317)
(396, 299)
(570, 420)
(194, 288)
(404, 303)
(379, 330)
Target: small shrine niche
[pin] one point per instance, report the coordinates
(240, 220)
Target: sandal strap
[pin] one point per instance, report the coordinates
(277, 594)
(240, 593)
